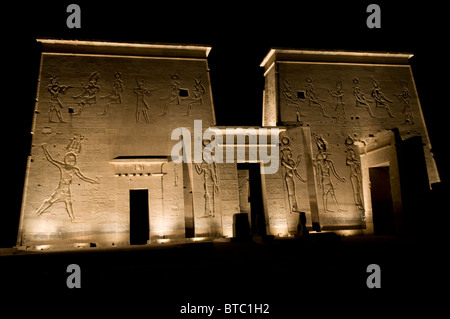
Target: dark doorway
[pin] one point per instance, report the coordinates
(189, 223)
(257, 219)
(139, 223)
(382, 207)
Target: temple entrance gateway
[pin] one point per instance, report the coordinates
(254, 205)
(141, 177)
(382, 205)
(139, 221)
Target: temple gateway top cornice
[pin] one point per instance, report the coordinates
(122, 48)
(279, 54)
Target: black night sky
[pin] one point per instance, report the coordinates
(240, 34)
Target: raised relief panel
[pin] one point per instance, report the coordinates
(405, 97)
(352, 98)
(197, 95)
(372, 87)
(313, 98)
(89, 113)
(207, 189)
(294, 98)
(210, 186)
(209, 174)
(339, 109)
(115, 97)
(67, 170)
(55, 89)
(360, 98)
(291, 173)
(170, 87)
(176, 93)
(354, 163)
(288, 194)
(89, 94)
(380, 99)
(337, 169)
(326, 171)
(142, 106)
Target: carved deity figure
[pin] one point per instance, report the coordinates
(355, 172)
(115, 97)
(339, 109)
(55, 104)
(89, 94)
(174, 94)
(210, 183)
(325, 170)
(141, 104)
(292, 98)
(290, 170)
(360, 98)
(380, 99)
(67, 170)
(197, 95)
(405, 98)
(312, 96)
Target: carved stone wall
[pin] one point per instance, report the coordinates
(345, 99)
(103, 123)
(353, 99)
(102, 126)
(244, 191)
(270, 111)
(216, 199)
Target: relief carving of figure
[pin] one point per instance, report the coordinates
(55, 104)
(290, 170)
(340, 105)
(355, 172)
(312, 96)
(210, 183)
(174, 94)
(405, 98)
(115, 97)
(197, 94)
(380, 99)
(141, 104)
(292, 98)
(360, 98)
(325, 169)
(62, 193)
(89, 94)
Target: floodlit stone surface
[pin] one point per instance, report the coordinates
(347, 93)
(348, 100)
(103, 125)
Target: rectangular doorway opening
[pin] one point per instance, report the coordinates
(189, 224)
(382, 205)
(139, 221)
(252, 190)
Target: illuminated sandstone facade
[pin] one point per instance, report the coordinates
(101, 169)
(351, 102)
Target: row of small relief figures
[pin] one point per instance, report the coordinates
(90, 92)
(380, 99)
